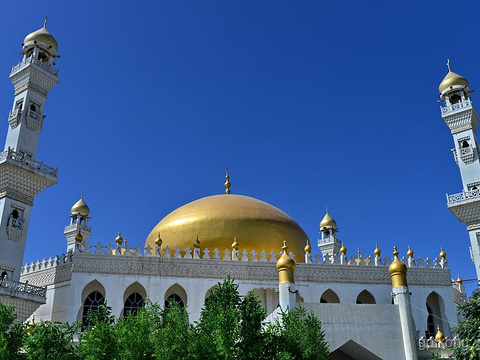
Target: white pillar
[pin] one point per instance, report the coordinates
(401, 297)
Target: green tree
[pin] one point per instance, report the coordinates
(50, 341)
(99, 342)
(468, 330)
(11, 333)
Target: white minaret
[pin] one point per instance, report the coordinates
(21, 176)
(78, 231)
(328, 243)
(287, 295)
(462, 120)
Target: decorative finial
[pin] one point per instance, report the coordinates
(410, 253)
(158, 240)
(78, 237)
(343, 249)
(81, 196)
(45, 22)
(284, 247)
(439, 337)
(448, 65)
(443, 254)
(196, 243)
(119, 239)
(227, 182)
(459, 280)
(235, 243)
(395, 252)
(308, 248)
(326, 209)
(377, 251)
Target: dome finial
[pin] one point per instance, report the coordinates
(227, 182)
(45, 22)
(448, 65)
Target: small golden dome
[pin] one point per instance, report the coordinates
(42, 35)
(80, 207)
(235, 243)
(452, 79)
(285, 266)
(158, 240)
(410, 253)
(119, 239)
(377, 251)
(327, 221)
(196, 243)
(439, 338)
(397, 270)
(459, 280)
(343, 250)
(443, 254)
(78, 238)
(308, 248)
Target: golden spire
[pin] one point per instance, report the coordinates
(158, 240)
(227, 182)
(196, 243)
(397, 271)
(45, 22)
(343, 249)
(119, 239)
(235, 243)
(377, 251)
(308, 248)
(79, 237)
(410, 253)
(459, 280)
(448, 65)
(439, 336)
(443, 254)
(285, 266)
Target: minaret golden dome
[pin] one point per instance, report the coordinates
(410, 253)
(42, 35)
(452, 79)
(119, 239)
(80, 207)
(328, 221)
(377, 251)
(397, 271)
(439, 335)
(343, 250)
(285, 266)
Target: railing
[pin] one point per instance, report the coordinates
(16, 223)
(36, 62)
(27, 160)
(23, 287)
(464, 195)
(456, 106)
(14, 115)
(76, 227)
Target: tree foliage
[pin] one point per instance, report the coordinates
(468, 331)
(230, 327)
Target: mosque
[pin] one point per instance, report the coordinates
(372, 306)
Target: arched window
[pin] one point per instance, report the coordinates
(430, 325)
(365, 297)
(133, 303)
(329, 296)
(176, 298)
(92, 302)
(464, 144)
(436, 310)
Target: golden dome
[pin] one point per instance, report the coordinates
(328, 221)
(42, 35)
(218, 219)
(80, 207)
(443, 254)
(119, 239)
(377, 251)
(397, 270)
(308, 248)
(439, 336)
(343, 250)
(410, 253)
(285, 266)
(452, 79)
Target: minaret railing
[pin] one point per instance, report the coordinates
(27, 160)
(24, 63)
(456, 106)
(464, 195)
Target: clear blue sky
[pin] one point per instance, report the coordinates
(308, 103)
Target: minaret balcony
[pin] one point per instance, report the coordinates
(34, 120)
(76, 227)
(454, 107)
(28, 162)
(14, 118)
(465, 206)
(42, 65)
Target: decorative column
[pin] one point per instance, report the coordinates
(286, 292)
(308, 253)
(401, 298)
(235, 249)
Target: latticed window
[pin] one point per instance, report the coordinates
(92, 302)
(176, 298)
(133, 303)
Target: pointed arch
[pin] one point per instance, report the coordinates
(133, 298)
(93, 295)
(209, 291)
(329, 296)
(435, 307)
(365, 297)
(176, 293)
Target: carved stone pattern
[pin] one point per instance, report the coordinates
(34, 78)
(49, 276)
(23, 307)
(22, 181)
(473, 226)
(12, 194)
(468, 213)
(14, 233)
(34, 124)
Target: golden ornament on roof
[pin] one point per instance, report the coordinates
(451, 79)
(119, 239)
(42, 35)
(196, 243)
(227, 182)
(377, 251)
(459, 280)
(397, 270)
(80, 207)
(443, 254)
(308, 248)
(410, 253)
(343, 250)
(327, 221)
(235, 243)
(78, 238)
(439, 338)
(285, 266)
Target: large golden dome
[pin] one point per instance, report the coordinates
(218, 219)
